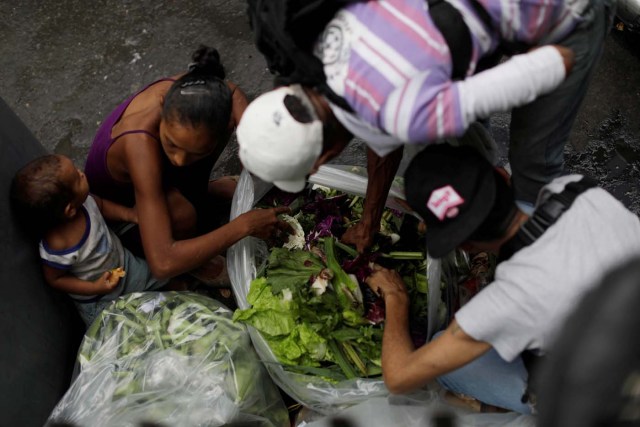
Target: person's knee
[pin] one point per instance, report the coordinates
(184, 218)
(223, 187)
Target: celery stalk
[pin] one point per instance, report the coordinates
(348, 249)
(404, 255)
(342, 284)
(341, 361)
(353, 356)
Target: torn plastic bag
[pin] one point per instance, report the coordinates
(247, 256)
(169, 359)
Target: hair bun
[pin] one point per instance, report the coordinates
(206, 61)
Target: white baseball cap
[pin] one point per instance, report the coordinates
(275, 146)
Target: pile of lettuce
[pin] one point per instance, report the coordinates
(310, 301)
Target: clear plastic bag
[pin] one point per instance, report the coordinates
(169, 359)
(245, 257)
(425, 408)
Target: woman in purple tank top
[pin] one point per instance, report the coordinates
(156, 152)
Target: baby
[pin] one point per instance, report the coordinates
(80, 254)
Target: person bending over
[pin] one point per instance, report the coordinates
(546, 264)
(155, 151)
(399, 67)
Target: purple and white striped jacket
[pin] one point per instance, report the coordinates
(392, 65)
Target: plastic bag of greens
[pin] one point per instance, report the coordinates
(248, 255)
(169, 359)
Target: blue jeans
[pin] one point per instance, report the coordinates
(492, 380)
(540, 129)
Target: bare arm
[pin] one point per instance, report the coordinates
(239, 103)
(381, 172)
(64, 281)
(168, 257)
(114, 211)
(403, 367)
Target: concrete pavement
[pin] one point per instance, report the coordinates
(66, 64)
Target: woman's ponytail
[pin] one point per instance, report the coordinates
(201, 96)
(206, 62)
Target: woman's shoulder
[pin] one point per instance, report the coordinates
(144, 104)
(136, 146)
(140, 122)
(147, 101)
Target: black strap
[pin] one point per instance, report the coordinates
(492, 59)
(508, 48)
(544, 216)
(455, 32)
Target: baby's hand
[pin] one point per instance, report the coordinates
(109, 280)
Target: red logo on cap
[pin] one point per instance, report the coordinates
(444, 202)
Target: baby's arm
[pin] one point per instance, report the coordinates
(66, 282)
(114, 211)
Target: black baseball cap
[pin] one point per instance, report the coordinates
(459, 195)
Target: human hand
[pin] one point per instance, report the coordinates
(386, 283)
(568, 58)
(359, 235)
(108, 281)
(265, 223)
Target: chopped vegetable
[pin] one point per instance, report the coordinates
(348, 291)
(296, 239)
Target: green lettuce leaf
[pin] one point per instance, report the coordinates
(315, 345)
(291, 269)
(302, 347)
(289, 350)
(271, 314)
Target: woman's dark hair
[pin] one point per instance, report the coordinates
(201, 97)
(38, 196)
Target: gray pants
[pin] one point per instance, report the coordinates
(540, 130)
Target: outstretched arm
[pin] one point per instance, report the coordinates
(429, 106)
(405, 368)
(166, 256)
(381, 172)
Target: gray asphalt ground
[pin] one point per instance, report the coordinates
(66, 64)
